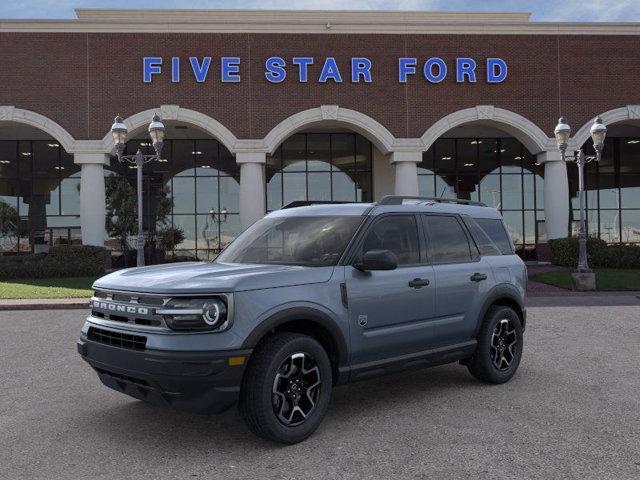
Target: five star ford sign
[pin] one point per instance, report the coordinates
(361, 69)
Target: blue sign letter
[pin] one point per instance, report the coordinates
(406, 66)
(150, 66)
(360, 67)
(230, 69)
(200, 71)
(465, 66)
(175, 69)
(303, 64)
(428, 70)
(331, 71)
(275, 69)
(496, 70)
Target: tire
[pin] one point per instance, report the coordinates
(495, 350)
(278, 365)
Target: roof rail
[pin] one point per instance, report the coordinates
(308, 203)
(399, 199)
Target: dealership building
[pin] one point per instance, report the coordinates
(263, 108)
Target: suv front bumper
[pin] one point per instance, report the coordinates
(200, 382)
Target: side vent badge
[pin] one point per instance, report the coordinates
(362, 320)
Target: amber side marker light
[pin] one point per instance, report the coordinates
(236, 361)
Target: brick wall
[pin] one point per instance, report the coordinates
(81, 80)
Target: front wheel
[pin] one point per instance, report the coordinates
(500, 343)
(286, 388)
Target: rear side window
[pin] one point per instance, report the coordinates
(484, 243)
(494, 228)
(447, 240)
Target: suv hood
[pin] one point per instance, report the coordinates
(208, 277)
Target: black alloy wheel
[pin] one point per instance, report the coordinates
(500, 344)
(286, 387)
(503, 344)
(296, 389)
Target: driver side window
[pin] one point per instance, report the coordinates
(396, 233)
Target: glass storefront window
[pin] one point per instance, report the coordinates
(612, 191)
(499, 172)
(319, 166)
(630, 223)
(39, 196)
(194, 189)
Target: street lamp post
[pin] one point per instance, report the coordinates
(156, 132)
(583, 278)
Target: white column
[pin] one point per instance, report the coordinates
(556, 194)
(406, 166)
(252, 187)
(92, 198)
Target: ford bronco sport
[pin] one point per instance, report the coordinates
(308, 298)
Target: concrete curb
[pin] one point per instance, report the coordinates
(45, 304)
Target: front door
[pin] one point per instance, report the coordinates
(390, 310)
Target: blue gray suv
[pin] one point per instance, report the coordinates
(311, 297)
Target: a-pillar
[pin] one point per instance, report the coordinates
(556, 194)
(252, 187)
(92, 197)
(406, 165)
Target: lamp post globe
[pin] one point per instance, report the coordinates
(156, 132)
(119, 133)
(598, 133)
(562, 133)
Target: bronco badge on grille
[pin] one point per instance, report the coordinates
(115, 307)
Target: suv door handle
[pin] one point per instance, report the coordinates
(478, 277)
(418, 282)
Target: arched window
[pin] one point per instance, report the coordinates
(499, 172)
(39, 195)
(612, 188)
(320, 166)
(191, 197)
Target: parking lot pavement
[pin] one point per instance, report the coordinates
(572, 411)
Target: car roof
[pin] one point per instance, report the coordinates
(372, 209)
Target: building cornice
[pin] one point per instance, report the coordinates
(311, 22)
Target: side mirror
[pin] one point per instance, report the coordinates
(377, 260)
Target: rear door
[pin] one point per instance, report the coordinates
(390, 310)
(462, 277)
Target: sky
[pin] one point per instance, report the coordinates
(542, 10)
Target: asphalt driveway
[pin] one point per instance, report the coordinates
(572, 411)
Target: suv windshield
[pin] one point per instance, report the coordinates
(316, 241)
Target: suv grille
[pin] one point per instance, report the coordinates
(128, 308)
(117, 339)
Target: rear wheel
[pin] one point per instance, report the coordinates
(286, 388)
(500, 344)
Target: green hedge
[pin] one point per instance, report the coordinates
(61, 261)
(564, 252)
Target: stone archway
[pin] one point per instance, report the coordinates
(177, 113)
(9, 113)
(617, 115)
(527, 132)
(360, 123)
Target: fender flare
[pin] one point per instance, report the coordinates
(498, 292)
(301, 313)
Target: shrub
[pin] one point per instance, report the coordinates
(620, 256)
(61, 261)
(564, 252)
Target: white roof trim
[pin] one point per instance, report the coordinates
(312, 21)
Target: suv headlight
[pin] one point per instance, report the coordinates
(195, 314)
